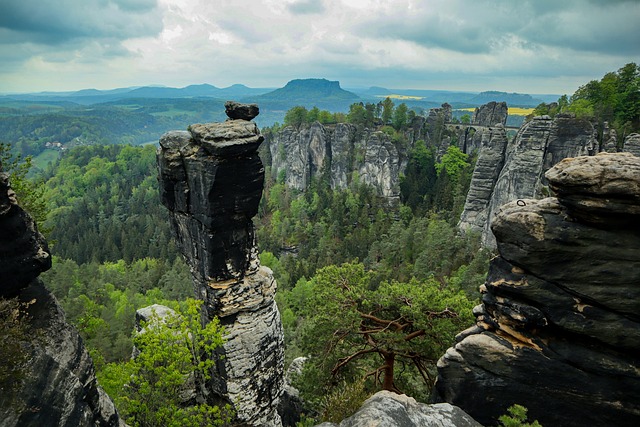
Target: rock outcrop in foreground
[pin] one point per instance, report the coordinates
(394, 410)
(558, 330)
(59, 386)
(211, 180)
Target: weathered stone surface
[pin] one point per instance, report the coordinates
(387, 409)
(609, 139)
(341, 152)
(60, 388)
(305, 153)
(211, 182)
(604, 189)
(381, 166)
(301, 153)
(559, 326)
(488, 166)
(236, 110)
(23, 250)
(227, 139)
(491, 114)
(538, 145)
(291, 405)
(544, 238)
(632, 144)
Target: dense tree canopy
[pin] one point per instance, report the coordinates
(360, 331)
(175, 353)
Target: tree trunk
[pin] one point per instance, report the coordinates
(389, 359)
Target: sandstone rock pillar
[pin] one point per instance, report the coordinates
(211, 180)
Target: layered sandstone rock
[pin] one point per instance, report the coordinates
(491, 114)
(211, 180)
(538, 145)
(487, 170)
(632, 144)
(60, 387)
(558, 330)
(340, 150)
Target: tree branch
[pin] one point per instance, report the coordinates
(345, 360)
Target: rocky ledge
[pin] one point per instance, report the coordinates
(558, 330)
(211, 180)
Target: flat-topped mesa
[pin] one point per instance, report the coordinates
(211, 180)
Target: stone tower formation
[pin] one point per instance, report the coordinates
(211, 180)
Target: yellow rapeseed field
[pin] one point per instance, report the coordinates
(513, 111)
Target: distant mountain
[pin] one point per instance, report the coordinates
(512, 99)
(309, 90)
(95, 96)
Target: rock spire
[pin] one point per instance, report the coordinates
(211, 180)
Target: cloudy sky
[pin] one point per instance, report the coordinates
(527, 46)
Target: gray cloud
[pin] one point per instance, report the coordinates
(57, 21)
(478, 26)
(446, 44)
(306, 7)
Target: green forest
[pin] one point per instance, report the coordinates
(401, 277)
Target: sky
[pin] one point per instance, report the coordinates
(524, 46)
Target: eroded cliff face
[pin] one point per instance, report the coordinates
(211, 180)
(558, 330)
(341, 150)
(491, 114)
(59, 387)
(522, 162)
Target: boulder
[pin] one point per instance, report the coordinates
(387, 409)
(603, 190)
(237, 111)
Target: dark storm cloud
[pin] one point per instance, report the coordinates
(306, 7)
(57, 21)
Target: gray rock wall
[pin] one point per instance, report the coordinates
(305, 153)
(558, 330)
(537, 146)
(211, 180)
(59, 388)
(491, 114)
(632, 144)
